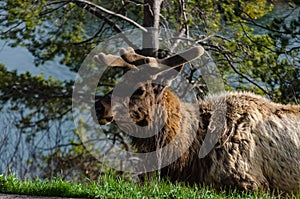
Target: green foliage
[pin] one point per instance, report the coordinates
(265, 62)
(75, 164)
(40, 187)
(210, 16)
(48, 30)
(44, 100)
(67, 31)
(58, 29)
(109, 186)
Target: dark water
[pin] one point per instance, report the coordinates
(20, 59)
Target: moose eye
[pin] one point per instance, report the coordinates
(139, 92)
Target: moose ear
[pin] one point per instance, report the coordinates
(184, 57)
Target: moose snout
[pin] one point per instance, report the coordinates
(103, 109)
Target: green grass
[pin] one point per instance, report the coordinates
(113, 187)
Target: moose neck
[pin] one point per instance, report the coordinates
(178, 120)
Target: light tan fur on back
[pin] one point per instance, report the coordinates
(259, 149)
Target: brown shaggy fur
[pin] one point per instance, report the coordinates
(258, 149)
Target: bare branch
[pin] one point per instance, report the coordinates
(56, 2)
(257, 43)
(183, 13)
(251, 21)
(92, 10)
(178, 39)
(138, 3)
(227, 56)
(244, 76)
(69, 144)
(53, 9)
(110, 13)
(10, 29)
(91, 38)
(293, 48)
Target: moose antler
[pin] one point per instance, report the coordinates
(130, 59)
(184, 57)
(113, 61)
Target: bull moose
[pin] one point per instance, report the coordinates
(259, 143)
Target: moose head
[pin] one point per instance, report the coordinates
(142, 88)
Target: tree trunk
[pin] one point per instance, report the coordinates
(151, 22)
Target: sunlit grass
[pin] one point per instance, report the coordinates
(114, 187)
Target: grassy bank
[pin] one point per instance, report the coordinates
(112, 187)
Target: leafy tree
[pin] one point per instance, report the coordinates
(251, 55)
